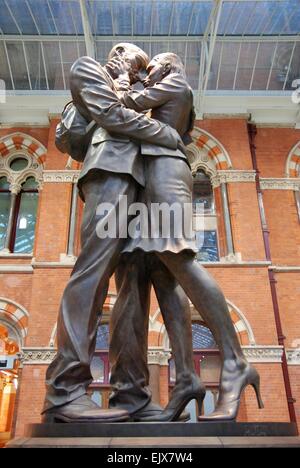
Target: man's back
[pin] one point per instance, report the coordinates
(107, 151)
(113, 147)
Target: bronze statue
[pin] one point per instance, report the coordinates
(133, 155)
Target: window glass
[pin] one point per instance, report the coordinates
(172, 371)
(18, 65)
(103, 337)
(30, 184)
(36, 67)
(26, 223)
(97, 369)
(210, 369)
(4, 185)
(202, 337)
(203, 193)
(19, 164)
(207, 243)
(53, 65)
(4, 215)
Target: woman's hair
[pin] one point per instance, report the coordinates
(125, 48)
(175, 62)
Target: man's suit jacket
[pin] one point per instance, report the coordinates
(115, 144)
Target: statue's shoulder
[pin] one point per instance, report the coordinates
(85, 65)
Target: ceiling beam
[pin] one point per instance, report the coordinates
(88, 36)
(207, 51)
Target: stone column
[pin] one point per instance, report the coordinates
(157, 357)
(297, 197)
(1, 393)
(7, 407)
(10, 223)
(229, 241)
(72, 229)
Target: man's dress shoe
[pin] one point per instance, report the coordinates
(84, 410)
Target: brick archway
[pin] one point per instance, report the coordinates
(206, 149)
(15, 315)
(293, 162)
(21, 142)
(242, 326)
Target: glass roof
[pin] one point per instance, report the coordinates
(257, 44)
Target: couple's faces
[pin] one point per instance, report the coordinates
(155, 73)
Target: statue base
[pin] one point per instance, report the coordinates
(155, 435)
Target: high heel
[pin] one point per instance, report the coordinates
(229, 400)
(181, 399)
(256, 386)
(183, 393)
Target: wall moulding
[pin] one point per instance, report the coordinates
(280, 183)
(232, 176)
(161, 356)
(293, 357)
(37, 356)
(263, 354)
(62, 176)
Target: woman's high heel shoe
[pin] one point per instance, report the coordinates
(184, 392)
(229, 400)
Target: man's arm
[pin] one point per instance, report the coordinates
(92, 94)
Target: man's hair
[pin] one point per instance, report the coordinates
(127, 48)
(175, 62)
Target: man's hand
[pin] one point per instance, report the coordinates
(182, 148)
(123, 70)
(180, 145)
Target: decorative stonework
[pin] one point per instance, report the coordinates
(205, 148)
(285, 269)
(21, 145)
(158, 356)
(15, 314)
(35, 356)
(293, 162)
(280, 184)
(293, 357)
(233, 176)
(61, 176)
(15, 268)
(263, 354)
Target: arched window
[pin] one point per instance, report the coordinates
(100, 370)
(205, 218)
(8, 374)
(21, 175)
(18, 213)
(22, 239)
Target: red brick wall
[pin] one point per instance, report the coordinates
(30, 398)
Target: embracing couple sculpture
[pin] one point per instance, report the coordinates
(143, 158)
